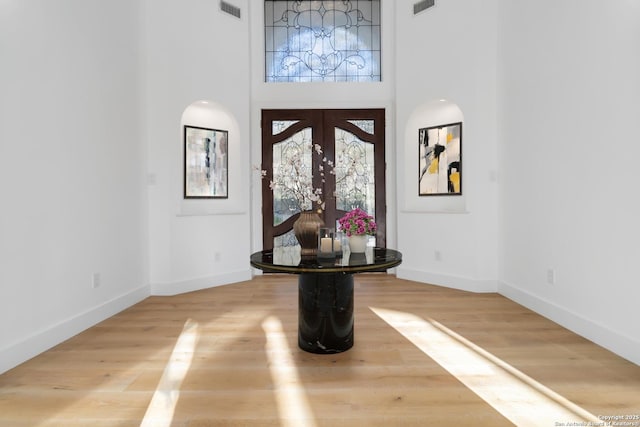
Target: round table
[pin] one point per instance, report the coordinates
(325, 292)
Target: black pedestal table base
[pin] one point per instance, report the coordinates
(325, 292)
(325, 312)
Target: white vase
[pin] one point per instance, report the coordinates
(358, 243)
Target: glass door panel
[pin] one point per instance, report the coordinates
(366, 125)
(280, 126)
(292, 173)
(355, 180)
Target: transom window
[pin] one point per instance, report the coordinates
(336, 41)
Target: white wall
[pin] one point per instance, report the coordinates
(72, 185)
(570, 109)
(448, 52)
(195, 52)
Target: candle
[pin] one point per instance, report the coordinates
(337, 246)
(325, 244)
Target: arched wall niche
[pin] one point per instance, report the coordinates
(209, 114)
(432, 113)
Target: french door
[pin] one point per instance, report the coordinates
(326, 160)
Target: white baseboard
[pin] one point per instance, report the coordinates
(454, 282)
(622, 345)
(19, 352)
(175, 288)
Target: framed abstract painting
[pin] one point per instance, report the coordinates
(205, 163)
(440, 160)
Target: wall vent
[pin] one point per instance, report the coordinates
(230, 9)
(422, 5)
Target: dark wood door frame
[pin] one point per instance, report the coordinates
(322, 124)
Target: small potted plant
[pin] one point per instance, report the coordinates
(357, 225)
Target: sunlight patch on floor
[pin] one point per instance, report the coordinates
(163, 403)
(293, 406)
(518, 397)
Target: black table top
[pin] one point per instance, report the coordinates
(282, 260)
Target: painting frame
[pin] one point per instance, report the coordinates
(440, 160)
(205, 163)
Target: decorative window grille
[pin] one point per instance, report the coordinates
(336, 41)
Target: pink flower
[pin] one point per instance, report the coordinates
(357, 222)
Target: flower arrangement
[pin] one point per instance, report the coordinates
(357, 222)
(293, 178)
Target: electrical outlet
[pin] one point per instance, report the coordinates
(551, 276)
(437, 255)
(95, 280)
(217, 256)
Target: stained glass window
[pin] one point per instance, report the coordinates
(355, 180)
(335, 41)
(292, 175)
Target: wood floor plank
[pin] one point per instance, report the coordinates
(110, 374)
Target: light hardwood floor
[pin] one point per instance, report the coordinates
(228, 356)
